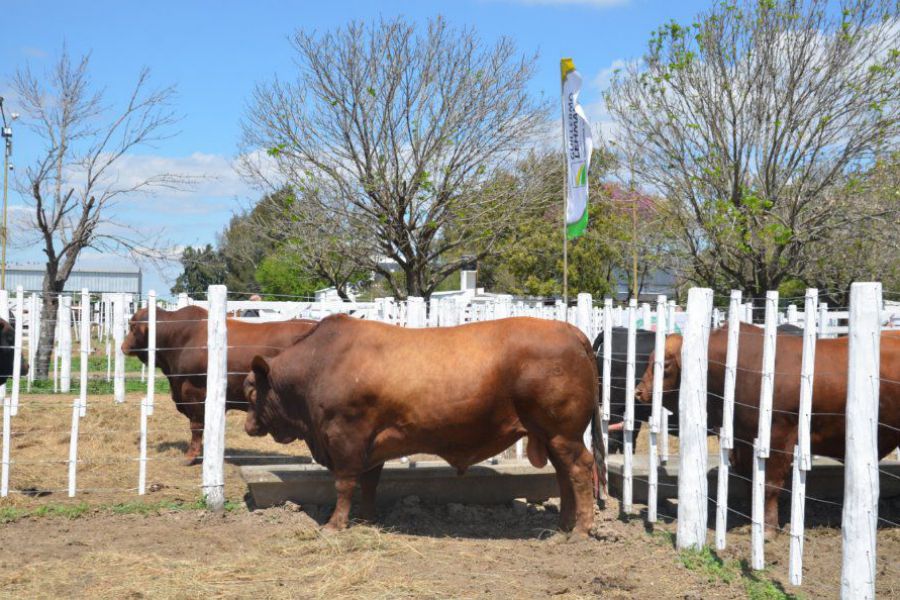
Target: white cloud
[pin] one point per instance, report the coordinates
(214, 175)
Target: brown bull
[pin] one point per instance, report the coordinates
(181, 338)
(361, 393)
(827, 429)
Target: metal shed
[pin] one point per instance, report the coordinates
(125, 279)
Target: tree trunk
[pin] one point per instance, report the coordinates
(44, 354)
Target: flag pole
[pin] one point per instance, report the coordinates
(565, 244)
(562, 111)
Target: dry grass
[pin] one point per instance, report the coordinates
(108, 449)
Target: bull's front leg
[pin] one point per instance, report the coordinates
(344, 486)
(369, 482)
(778, 467)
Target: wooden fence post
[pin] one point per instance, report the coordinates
(216, 383)
(659, 358)
(861, 487)
(692, 464)
(764, 428)
(726, 434)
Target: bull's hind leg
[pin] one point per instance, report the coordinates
(369, 482)
(577, 463)
(566, 496)
(195, 448)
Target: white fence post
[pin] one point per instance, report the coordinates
(764, 428)
(726, 434)
(7, 409)
(73, 445)
(607, 373)
(147, 403)
(583, 314)
(659, 359)
(65, 344)
(54, 354)
(802, 457)
(17, 352)
(84, 350)
(34, 337)
(823, 320)
(216, 384)
(791, 314)
(628, 428)
(664, 440)
(692, 465)
(118, 338)
(861, 487)
(646, 317)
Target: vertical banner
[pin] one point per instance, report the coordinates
(578, 146)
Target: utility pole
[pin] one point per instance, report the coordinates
(7, 153)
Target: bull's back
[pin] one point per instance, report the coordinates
(458, 374)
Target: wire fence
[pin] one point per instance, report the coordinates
(737, 405)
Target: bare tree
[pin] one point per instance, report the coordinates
(74, 184)
(749, 120)
(395, 132)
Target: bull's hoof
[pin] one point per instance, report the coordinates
(560, 537)
(770, 534)
(578, 535)
(332, 528)
(190, 460)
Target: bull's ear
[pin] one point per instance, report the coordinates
(673, 351)
(260, 366)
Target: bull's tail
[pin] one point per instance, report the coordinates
(600, 474)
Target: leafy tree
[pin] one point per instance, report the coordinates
(283, 274)
(249, 238)
(529, 259)
(749, 121)
(202, 267)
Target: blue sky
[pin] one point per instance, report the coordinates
(214, 52)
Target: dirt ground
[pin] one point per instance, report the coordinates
(107, 542)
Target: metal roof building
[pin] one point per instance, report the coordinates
(124, 279)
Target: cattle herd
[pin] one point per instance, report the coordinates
(360, 393)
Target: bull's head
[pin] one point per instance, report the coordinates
(7, 347)
(137, 340)
(265, 412)
(671, 375)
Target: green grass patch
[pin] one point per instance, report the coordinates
(757, 585)
(98, 363)
(74, 511)
(98, 386)
(664, 537)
